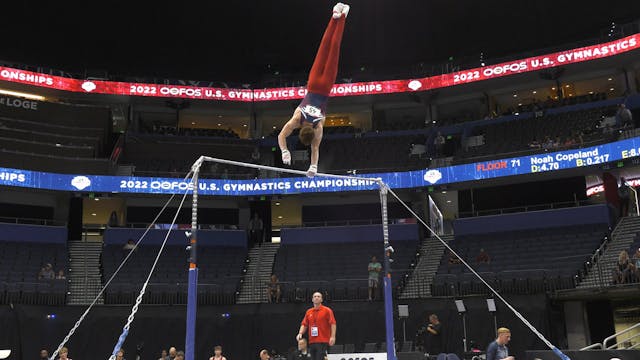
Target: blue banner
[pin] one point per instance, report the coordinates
(550, 161)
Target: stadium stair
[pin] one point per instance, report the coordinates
(253, 287)
(621, 238)
(419, 282)
(84, 272)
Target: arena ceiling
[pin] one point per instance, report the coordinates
(241, 41)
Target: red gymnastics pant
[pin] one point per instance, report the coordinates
(325, 66)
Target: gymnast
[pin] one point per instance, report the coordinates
(310, 114)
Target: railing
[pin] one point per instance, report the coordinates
(31, 221)
(603, 345)
(595, 260)
(525, 208)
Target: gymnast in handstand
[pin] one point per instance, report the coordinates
(310, 114)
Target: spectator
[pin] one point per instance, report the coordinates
(120, 355)
(557, 142)
(548, 143)
(374, 270)
(433, 341)
(569, 142)
(624, 118)
(636, 264)
(274, 290)
(47, 273)
(256, 229)
(453, 259)
(164, 355)
(302, 352)
(483, 257)
(61, 275)
(64, 354)
(534, 144)
(264, 354)
(498, 350)
(217, 353)
(438, 142)
(44, 354)
(255, 155)
(623, 272)
(130, 245)
(623, 194)
(180, 355)
(172, 353)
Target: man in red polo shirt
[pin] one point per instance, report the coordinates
(321, 324)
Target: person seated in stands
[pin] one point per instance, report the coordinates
(548, 143)
(60, 275)
(569, 142)
(453, 259)
(273, 289)
(483, 257)
(180, 355)
(557, 142)
(636, 264)
(534, 144)
(624, 270)
(47, 273)
(130, 245)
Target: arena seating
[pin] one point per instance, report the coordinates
(220, 271)
(19, 268)
(181, 151)
(338, 269)
(56, 137)
(522, 261)
(516, 135)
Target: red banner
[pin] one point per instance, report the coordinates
(354, 89)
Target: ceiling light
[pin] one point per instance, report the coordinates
(567, 86)
(448, 201)
(535, 92)
(97, 199)
(277, 203)
(219, 116)
(279, 216)
(553, 88)
(244, 125)
(610, 79)
(22, 95)
(444, 192)
(274, 126)
(93, 214)
(591, 92)
(611, 89)
(519, 104)
(219, 124)
(193, 123)
(515, 95)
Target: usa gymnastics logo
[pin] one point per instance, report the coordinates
(80, 182)
(415, 85)
(88, 86)
(432, 176)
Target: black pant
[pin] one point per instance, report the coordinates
(318, 350)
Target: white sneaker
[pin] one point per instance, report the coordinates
(345, 10)
(337, 10)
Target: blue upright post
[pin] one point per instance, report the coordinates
(192, 291)
(388, 293)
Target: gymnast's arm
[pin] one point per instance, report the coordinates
(315, 143)
(287, 129)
